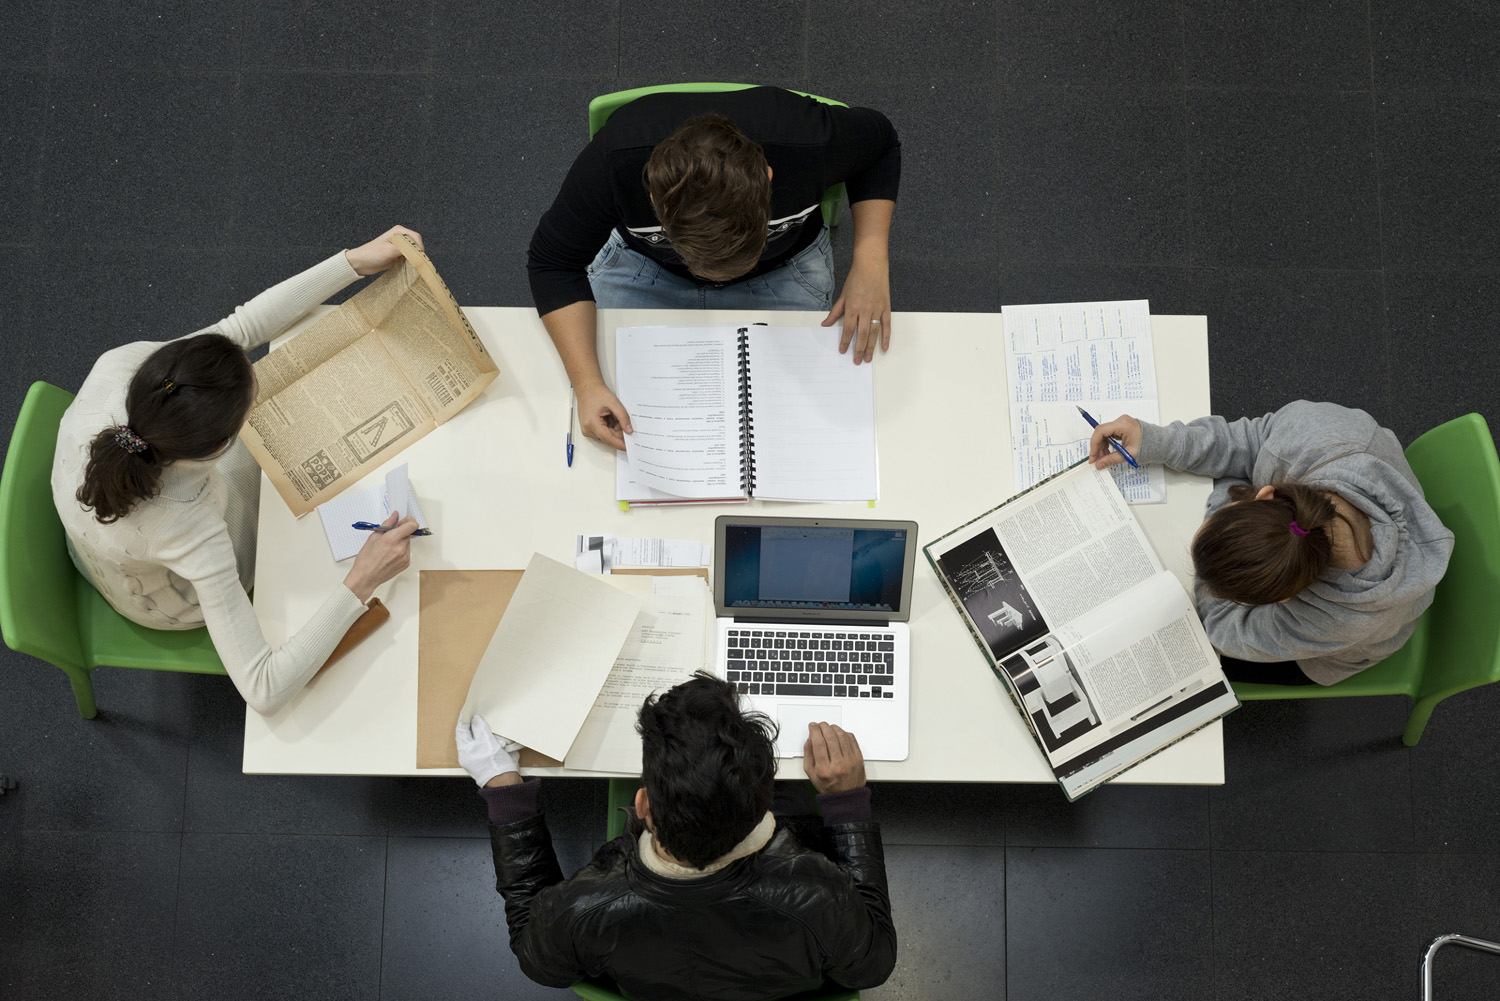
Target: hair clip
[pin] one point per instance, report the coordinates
(130, 441)
(169, 385)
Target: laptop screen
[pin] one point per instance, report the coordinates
(802, 567)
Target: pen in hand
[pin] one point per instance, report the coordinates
(370, 526)
(1112, 442)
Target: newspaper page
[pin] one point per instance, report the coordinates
(364, 382)
(1101, 647)
(1094, 355)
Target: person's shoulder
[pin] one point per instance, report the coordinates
(1325, 422)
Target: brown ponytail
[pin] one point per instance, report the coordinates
(184, 402)
(1267, 551)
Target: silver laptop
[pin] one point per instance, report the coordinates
(812, 617)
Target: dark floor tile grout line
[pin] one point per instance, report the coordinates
(1187, 153)
(385, 890)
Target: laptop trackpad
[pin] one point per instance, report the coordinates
(794, 720)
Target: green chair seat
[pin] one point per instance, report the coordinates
(601, 107)
(47, 609)
(1456, 645)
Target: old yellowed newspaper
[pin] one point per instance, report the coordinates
(364, 382)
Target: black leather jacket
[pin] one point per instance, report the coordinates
(773, 924)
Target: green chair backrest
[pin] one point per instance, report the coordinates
(1460, 475)
(38, 610)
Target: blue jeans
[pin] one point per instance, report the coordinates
(624, 279)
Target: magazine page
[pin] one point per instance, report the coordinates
(1045, 558)
(1114, 669)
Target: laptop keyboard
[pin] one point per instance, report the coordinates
(859, 665)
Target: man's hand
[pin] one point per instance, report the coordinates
(487, 759)
(865, 306)
(380, 253)
(602, 415)
(832, 759)
(1124, 429)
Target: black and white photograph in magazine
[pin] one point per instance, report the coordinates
(1052, 691)
(981, 574)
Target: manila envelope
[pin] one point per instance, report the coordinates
(459, 612)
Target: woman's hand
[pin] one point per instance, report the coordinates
(602, 415)
(1124, 429)
(383, 556)
(380, 253)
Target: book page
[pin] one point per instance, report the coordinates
(680, 386)
(1045, 558)
(667, 644)
(340, 398)
(813, 412)
(1094, 355)
(550, 655)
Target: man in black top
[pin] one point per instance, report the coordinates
(710, 896)
(666, 188)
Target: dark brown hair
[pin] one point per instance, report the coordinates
(1247, 551)
(709, 768)
(709, 186)
(185, 402)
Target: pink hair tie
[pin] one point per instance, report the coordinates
(1301, 532)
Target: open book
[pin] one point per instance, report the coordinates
(732, 412)
(364, 382)
(1098, 645)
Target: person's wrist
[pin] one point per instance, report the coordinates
(362, 588)
(504, 779)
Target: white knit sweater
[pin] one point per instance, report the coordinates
(186, 557)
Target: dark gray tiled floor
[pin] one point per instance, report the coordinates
(1319, 180)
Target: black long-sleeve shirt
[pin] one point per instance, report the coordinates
(810, 146)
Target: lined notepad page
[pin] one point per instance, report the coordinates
(374, 505)
(814, 417)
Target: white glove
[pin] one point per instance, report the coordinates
(483, 754)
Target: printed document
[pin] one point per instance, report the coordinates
(1094, 355)
(550, 656)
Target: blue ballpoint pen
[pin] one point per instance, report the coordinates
(1113, 444)
(370, 526)
(572, 403)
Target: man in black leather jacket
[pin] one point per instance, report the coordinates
(712, 896)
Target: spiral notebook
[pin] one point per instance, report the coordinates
(727, 413)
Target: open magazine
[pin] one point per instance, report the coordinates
(1098, 645)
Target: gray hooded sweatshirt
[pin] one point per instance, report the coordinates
(1348, 619)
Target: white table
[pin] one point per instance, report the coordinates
(495, 486)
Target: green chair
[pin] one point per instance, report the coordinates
(622, 794)
(47, 609)
(601, 107)
(1456, 645)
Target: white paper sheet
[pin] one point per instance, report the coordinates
(669, 642)
(550, 655)
(630, 552)
(681, 388)
(814, 416)
(373, 505)
(1097, 355)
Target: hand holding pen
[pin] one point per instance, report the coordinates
(1113, 442)
(385, 553)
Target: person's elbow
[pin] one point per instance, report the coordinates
(266, 703)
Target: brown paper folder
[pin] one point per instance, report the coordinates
(663, 571)
(374, 617)
(459, 610)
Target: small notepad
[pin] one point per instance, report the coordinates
(374, 504)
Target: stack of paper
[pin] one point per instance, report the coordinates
(601, 553)
(1094, 355)
(372, 505)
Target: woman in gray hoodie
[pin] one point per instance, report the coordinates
(1319, 552)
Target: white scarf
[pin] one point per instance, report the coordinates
(753, 842)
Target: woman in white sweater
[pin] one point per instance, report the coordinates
(159, 497)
